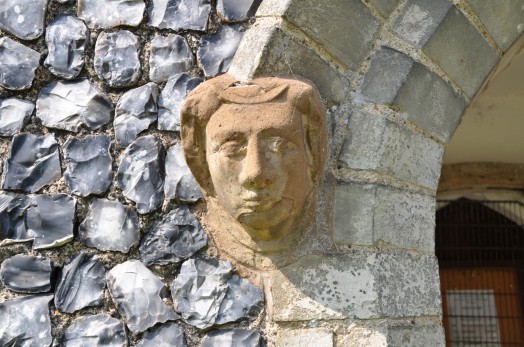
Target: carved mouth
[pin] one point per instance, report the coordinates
(259, 202)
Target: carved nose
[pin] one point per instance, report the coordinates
(257, 169)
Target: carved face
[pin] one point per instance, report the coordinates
(258, 163)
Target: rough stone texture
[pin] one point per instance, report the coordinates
(180, 183)
(430, 102)
(419, 19)
(216, 51)
(110, 226)
(135, 111)
(232, 338)
(168, 335)
(141, 173)
(17, 64)
(27, 274)
(69, 104)
(504, 31)
(365, 214)
(116, 59)
(81, 284)
(175, 237)
(466, 58)
(26, 322)
(66, 37)
(23, 18)
(171, 98)
(14, 115)
(170, 55)
(385, 7)
(12, 218)
(432, 336)
(304, 337)
(33, 163)
(180, 14)
(384, 333)
(387, 71)
(394, 150)
(235, 10)
(97, 331)
(88, 164)
(110, 13)
(363, 285)
(137, 294)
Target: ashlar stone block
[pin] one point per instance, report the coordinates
(384, 334)
(305, 337)
(385, 7)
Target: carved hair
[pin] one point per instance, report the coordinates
(208, 97)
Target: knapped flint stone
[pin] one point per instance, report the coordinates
(33, 162)
(66, 37)
(69, 104)
(26, 322)
(171, 98)
(175, 237)
(168, 335)
(110, 13)
(141, 173)
(235, 10)
(12, 218)
(137, 294)
(14, 115)
(232, 338)
(95, 331)
(17, 63)
(23, 18)
(27, 274)
(81, 284)
(243, 301)
(170, 55)
(216, 51)
(180, 183)
(180, 14)
(88, 164)
(135, 111)
(110, 226)
(50, 219)
(116, 58)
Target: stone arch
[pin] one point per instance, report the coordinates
(397, 77)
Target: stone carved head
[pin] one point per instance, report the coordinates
(258, 148)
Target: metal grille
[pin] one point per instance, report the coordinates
(480, 248)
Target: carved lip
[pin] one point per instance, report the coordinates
(259, 201)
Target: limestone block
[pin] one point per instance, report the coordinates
(430, 102)
(504, 20)
(461, 51)
(305, 337)
(385, 7)
(418, 20)
(388, 335)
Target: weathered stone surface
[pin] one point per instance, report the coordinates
(412, 336)
(88, 164)
(12, 218)
(216, 51)
(466, 58)
(137, 294)
(81, 284)
(97, 331)
(66, 37)
(14, 115)
(180, 183)
(419, 19)
(135, 111)
(23, 18)
(110, 13)
(171, 98)
(180, 14)
(304, 337)
(69, 104)
(206, 293)
(232, 338)
(26, 322)
(33, 163)
(175, 237)
(110, 226)
(170, 55)
(17, 64)
(116, 58)
(27, 274)
(141, 173)
(236, 10)
(385, 7)
(168, 335)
